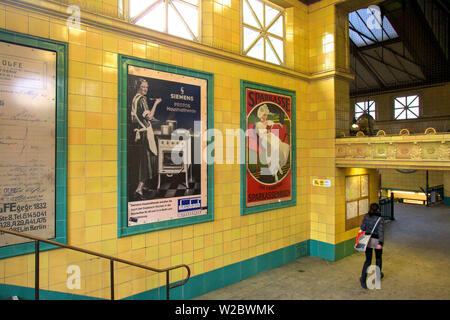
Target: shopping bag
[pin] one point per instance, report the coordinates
(362, 240)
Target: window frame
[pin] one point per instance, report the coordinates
(263, 33)
(367, 110)
(407, 107)
(124, 13)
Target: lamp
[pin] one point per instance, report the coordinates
(355, 125)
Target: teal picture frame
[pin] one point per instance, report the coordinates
(61, 50)
(123, 229)
(272, 206)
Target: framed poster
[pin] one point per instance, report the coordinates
(164, 114)
(33, 141)
(268, 170)
(356, 200)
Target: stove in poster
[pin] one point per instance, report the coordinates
(165, 180)
(268, 152)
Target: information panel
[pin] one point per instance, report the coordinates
(27, 141)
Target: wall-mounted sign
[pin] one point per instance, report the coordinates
(321, 183)
(32, 141)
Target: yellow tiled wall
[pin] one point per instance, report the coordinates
(92, 146)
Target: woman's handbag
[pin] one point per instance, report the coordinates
(362, 240)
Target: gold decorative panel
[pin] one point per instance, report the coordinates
(414, 151)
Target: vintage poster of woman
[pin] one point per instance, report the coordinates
(164, 118)
(268, 176)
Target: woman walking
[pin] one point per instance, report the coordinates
(376, 240)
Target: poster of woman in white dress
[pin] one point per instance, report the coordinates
(268, 149)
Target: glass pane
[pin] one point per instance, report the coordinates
(389, 29)
(278, 46)
(352, 187)
(413, 113)
(155, 19)
(359, 106)
(258, 7)
(401, 102)
(249, 36)
(363, 206)
(358, 114)
(358, 24)
(277, 28)
(194, 2)
(358, 40)
(412, 101)
(258, 50)
(176, 26)
(352, 209)
(248, 17)
(364, 186)
(271, 13)
(400, 114)
(371, 105)
(270, 56)
(138, 6)
(189, 14)
(372, 114)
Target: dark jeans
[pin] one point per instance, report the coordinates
(368, 262)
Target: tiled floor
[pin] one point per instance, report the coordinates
(416, 264)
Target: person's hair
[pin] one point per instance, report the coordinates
(374, 209)
(139, 82)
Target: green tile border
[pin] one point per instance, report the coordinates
(272, 206)
(61, 50)
(447, 201)
(122, 227)
(212, 280)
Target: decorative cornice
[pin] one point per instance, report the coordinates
(405, 152)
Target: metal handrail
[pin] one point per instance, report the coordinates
(37, 241)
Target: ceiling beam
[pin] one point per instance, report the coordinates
(361, 60)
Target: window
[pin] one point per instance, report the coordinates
(176, 17)
(367, 107)
(263, 31)
(406, 107)
(369, 26)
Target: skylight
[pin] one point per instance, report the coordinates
(368, 26)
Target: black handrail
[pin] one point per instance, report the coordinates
(38, 240)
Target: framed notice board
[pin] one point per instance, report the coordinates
(33, 141)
